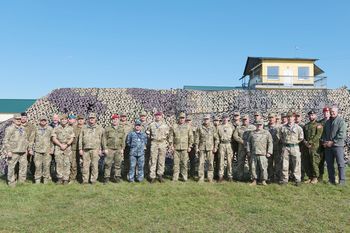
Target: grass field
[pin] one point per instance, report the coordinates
(174, 207)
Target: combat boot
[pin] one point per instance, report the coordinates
(314, 181)
(253, 183)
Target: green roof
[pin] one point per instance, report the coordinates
(15, 105)
(210, 88)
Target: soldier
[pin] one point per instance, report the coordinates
(225, 135)
(257, 116)
(180, 143)
(137, 141)
(158, 132)
(216, 123)
(115, 137)
(259, 148)
(75, 159)
(91, 145)
(55, 121)
(236, 122)
(312, 133)
(284, 119)
(72, 120)
(29, 127)
(144, 126)
(126, 128)
(333, 140)
(16, 148)
(303, 149)
(39, 147)
(274, 169)
(206, 145)
(193, 155)
(291, 135)
(143, 119)
(241, 135)
(326, 116)
(62, 137)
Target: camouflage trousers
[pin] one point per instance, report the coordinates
(259, 167)
(20, 158)
(291, 160)
(116, 156)
(274, 168)
(42, 163)
(206, 156)
(312, 163)
(225, 149)
(193, 163)
(74, 164)
(63, 159)
(180, 164)
(157, 159)
(90, 158)
(241, 163)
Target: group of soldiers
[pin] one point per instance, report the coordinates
(70, 147)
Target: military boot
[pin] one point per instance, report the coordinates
(253, 183)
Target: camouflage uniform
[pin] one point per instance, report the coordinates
(322, 154)
(115, 138)
(181, 138)
(207, 142)
(274, 169)
(30, 128)
(225, 135)
(91, 141)
(241, 135)
(158, 133)
(259, 144)
(75, 158)
(312, 132)
(127, 128)
(16, 142)
(41, 144)
(193, 158)
(291, 136)
(63, 157)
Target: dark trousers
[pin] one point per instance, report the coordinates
(337, 153)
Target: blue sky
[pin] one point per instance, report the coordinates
(162, 44)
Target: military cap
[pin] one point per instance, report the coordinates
(80, 117)
(17, 116)
(257, 113)
(123, 114)
(236, 113)
(43, 118)
(158, 113)
(115, 116)
(245, 116)
(283, 114)
(23, 114)
(182, 115)
(290, 114)
(92, 115)
(188, 118)
(225, 115)
(312, 111)
(72, 116)
(271, 115)
(138, 122)
(259, 122)
(206, 116)
(325, 109)
(143, 113)
(63, 116)
(216, 118)
(297, 114)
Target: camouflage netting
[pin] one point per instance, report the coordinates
(106, 101)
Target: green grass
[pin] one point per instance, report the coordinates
(174, 207)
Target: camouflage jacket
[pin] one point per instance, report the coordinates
(225, 133)
(313, 133)
(16, 139)
(115, 137)
(241, 135)
(275, 133)
(40, 141)
(92, 138)
(137, 142)
(181, 137)
(291, 134)
(158, 131)
(63, 134)
(76, 130)
(207, 138)
(30, 128)
(260, 142)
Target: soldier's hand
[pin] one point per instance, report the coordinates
(122, 151)
(63, 146)
(9, 154)
(31, 152)
(268, 155)
(189, 150)
(105, 151)
(81, 152)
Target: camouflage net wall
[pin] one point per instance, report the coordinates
(105, 101)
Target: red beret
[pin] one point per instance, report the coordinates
(115, 116)
(325, 109)
(158, 114)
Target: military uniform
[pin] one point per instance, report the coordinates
(322, 154)
(75, 158)
(41, 144)
(259, 144)
(291, 136)
(63, 157)
(181, 138)
(158, 133)
(91, 141)
(225, 135)
(207, 142)
(274, 169)
(241, 135)
(16, 142)
(115, 137)
(312, 132)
